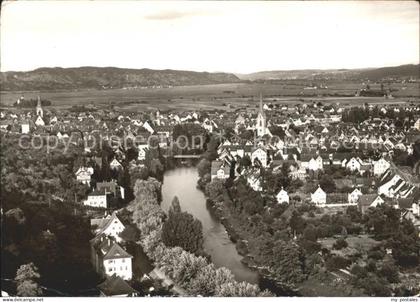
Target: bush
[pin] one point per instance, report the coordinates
(336, 263)
(340, 244)
(358, 271)
(376, 254)
(390, 272)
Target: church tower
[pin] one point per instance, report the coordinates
(261, 120)
(39, 111)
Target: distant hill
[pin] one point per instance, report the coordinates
(311, 74)
(388, 72)
(106, 77)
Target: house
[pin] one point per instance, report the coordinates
(319, 197)
(96, 199)
(39, 121)
(353, 164)
(83, 174)
(148, 127)
(398, 182)
(354, 196)
(380, 166)
(297, 172)
(115, 165)
(369, 200)
(311, 162)
(261, 155)
(111, 225)
(25, 128)
(254, 181)
(409, 205)
(110, 187)
(109, 258)
(316, 164)
(219, 170)
(282, 196)
(115, 286)
(417, 124)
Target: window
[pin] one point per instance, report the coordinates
(123, 260)
(110, 269)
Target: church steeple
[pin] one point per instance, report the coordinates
(39, 110)
(261, 119)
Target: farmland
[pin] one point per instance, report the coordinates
(216, 96)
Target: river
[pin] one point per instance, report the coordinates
(182, 182)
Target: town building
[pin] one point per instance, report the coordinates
(110, 225)
(282, 196)
(96, 199)
(319, 197)
(83, 174)
(109, 258)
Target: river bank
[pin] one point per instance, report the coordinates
(181, 182)
(266, 280)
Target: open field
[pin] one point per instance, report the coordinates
(214, 96)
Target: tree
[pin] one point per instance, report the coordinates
(340, 244)
(327, 184)
(310, 233)
(245, 161)
(238, 289)
(183, 230)
(287, 262)
(297, 223)
(27, 277)
(336, 262)
(214, 189)
(389, 271)
(203, 167)
(130, 233)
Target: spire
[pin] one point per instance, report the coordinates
(261, 103)
(39, 102)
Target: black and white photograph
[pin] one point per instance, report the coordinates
(201, 149)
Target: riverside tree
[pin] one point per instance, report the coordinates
(27, 277)
(182, 229)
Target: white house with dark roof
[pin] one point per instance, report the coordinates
(319, 197)
(282, 196)
(397, 183)
(97, 199)
(261, 155)
(111, 225)
(219, 170)
(83, 174)
(25, 129)
(380, 166)
(369, 200)
(354, 196)
(39, 121)
(115, 164)
(109, 258)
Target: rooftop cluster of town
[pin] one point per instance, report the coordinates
(336, 161)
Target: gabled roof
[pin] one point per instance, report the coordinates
(116, 251)
(367, 199)
(405, 203)
(103, 223)
(116, 286)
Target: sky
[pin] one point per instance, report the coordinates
(239, 37)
